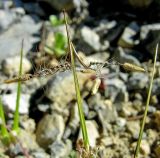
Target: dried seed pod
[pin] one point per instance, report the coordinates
(96, 85)
(24, 77)
(132, 67)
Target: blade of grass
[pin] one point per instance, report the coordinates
(4, 132)
(78, 95)
(16, 114)
(147, 105)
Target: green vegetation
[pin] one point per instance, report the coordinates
(78, 95)
(59, 45)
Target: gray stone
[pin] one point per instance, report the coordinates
(12, 38)
(127, 40)
(50, 129)
(10, 66)
(61, 88)
(59, 149)
(137, 81)
(39, 153)
(7, 18)
(9, 102)
(133, 127)
(89, 40)
(116, 90)
(123, 57)
(151, 33)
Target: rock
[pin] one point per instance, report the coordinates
(133, 127)
(150, 34)
(59, 149)
(135, 82)
(127, 109)
(40, 153)
(145, 148)
(7, 18)
(92, 131)
(157, 118)
(59, 85)
(15, 34)
(116, 90)
(25, 140)
(28, 124)
(9, 102)
(68, 5)
(152, 136)
(121, 122)
(156, 86)
(123, 57)
(89, 41)
(50, 129)
(127, 39)
(10, 65)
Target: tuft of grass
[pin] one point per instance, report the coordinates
(78, 95)
(16, 114)
(4, 133)
(146, 107)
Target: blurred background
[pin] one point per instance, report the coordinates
(124, 31)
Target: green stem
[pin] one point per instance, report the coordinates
(16, 114)
(147, 105)
(78, 95)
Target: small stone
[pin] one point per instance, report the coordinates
(122, 56)
(145, 148)
(10, 65)
(121, 122)
(12, 38)
(134, 128)
(89, 40)
(116, 90)
(40, 153)
(92, 131)
(50, 129)
(127, 39)
(59, 149)
(59, 85)
(135, 82)
(9, 102)
(157, 118)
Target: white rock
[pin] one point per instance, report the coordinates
(9, 102)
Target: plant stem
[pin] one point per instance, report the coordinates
(146, 107)
(78, 95)
(16, 114)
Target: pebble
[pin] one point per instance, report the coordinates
(24, 29)
(92, 131)
(127, 40)
(10, 65)
(50, 128)
(59, 85)
(9, 102)
(135, 82)
(59, 149)
(90, 40)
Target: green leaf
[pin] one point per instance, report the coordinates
(55, 21)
